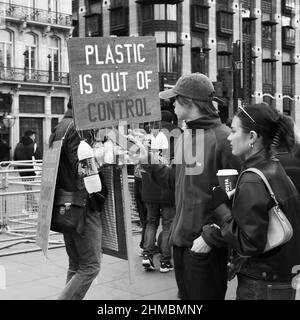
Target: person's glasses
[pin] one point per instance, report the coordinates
(246, 113)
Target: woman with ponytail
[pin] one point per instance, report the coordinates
(255, 131)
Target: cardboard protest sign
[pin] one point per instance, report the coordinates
(50, 168)
(113, 79)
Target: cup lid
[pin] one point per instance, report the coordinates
(227, 172)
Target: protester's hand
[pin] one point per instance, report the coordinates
(140, 151)
(200, 246)
(230, 194)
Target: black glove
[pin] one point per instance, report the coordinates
(219, 196)
(97, 199)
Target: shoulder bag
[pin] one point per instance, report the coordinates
(69, 211)
(69, 208)
(280, 230)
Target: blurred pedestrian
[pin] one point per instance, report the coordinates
(160, 202)
(27, 150)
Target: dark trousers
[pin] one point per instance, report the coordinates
(252, 289)
(84, 258)
(154, 212)
(201, 276)
(141, 208)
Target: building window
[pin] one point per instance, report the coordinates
(168, 59)
(94, 7)
(30, 55)
(224, 59)
(167, 51)
(288, 72)
(225, 20)
(287, 75)
(224, 4)
(247, 27)
(199, 60)
(53, 5)
(267, 33)
(57, 105)
(287, 106)
(165, 12)
(119, 16)
(171, 12)
(288, 36)
(5, 49)
(54, 58)
(200, 16)
(93, 20)
(31, 104)
(288, 5)
(199, 56)
(267, 74)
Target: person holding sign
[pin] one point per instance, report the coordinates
(199, 252)
(83, 245)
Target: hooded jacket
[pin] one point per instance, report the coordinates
(24, 151)
(245, 226)
(194, 176)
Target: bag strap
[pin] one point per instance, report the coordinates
(264, 179)
(63, 138)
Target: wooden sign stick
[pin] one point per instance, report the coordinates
(127, 215)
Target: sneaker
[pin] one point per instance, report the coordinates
(166, 267)
(148, 263)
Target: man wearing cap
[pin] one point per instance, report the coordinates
(200, 255)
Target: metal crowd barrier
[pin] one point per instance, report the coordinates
(19, 206)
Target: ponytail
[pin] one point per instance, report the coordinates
(284, 135)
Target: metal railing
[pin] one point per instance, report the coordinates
(19, 206)
(34, 76)
(36, 15)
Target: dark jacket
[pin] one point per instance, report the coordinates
(67, 176)
(24, 151)
(4, 151)
(152, 191)
(245, 227)
(194, 179)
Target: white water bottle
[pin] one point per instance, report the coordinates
(88, 167)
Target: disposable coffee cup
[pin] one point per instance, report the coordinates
(227, 179)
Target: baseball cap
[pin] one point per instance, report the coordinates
(194, 86)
